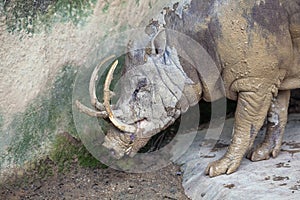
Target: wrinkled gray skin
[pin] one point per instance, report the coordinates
(150, 98)
(256, 47)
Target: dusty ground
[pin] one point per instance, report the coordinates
(70, 172)
(97, 183)
(46, 182)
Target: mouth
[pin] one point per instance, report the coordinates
(119, 143)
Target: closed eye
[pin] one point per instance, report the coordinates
(141, 83)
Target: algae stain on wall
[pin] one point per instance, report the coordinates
(1, 121)
(34, 130)
(2, 135)
(30, 17)
(105, 7)
(66, 149)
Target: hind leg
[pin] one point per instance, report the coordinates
(277, 118)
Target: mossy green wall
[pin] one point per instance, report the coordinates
(46, 115)
(31, 133)
(43, 44)
(34, 16)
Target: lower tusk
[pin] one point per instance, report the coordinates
(82, 108)
(119, 124)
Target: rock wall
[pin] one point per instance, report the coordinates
(43, 43)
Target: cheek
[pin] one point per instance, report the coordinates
(141, 102)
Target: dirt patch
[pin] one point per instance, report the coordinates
(95, 183)
(70, 172)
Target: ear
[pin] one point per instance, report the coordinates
(160, 42)
(157, 34)
(154, 43)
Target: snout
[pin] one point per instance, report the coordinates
(115, 149)
(117, 155)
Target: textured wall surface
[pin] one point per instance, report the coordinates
(43, 43)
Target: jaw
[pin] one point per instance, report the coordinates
(117, 145)
(121, 144)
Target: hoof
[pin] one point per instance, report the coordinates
(264, 152)
(222, 166)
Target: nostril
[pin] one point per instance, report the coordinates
(157, 51)
(113, 152)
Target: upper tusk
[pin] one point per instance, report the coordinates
(92, 85)
(119, 124)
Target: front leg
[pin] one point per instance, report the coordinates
(277, 118)
(250, 114)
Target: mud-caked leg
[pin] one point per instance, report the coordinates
(277, 118)
(252, 109)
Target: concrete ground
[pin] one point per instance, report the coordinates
(277, 178)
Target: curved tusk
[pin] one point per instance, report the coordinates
(120, 125)
(82, 108)
(92, 85)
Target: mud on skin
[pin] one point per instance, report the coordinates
(259, 64)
